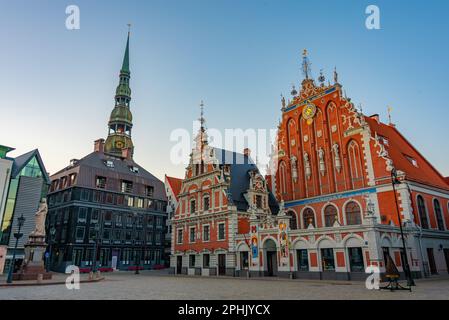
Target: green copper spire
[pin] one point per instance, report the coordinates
(121, 119)
(125, 65)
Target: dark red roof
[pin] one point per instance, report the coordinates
(402, 152)
(175, 185)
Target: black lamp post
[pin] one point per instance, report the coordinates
(408, 274)
(17, 235)
(97, 233)
(136, 262)
(49, 255)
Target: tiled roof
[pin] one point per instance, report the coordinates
(402, 152)
(175, 184)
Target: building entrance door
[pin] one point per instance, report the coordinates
(221, 264)
(272, 263)
(114, 259)
(178, 264)
(446, 257)
(432, 265)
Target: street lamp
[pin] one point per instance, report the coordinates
(136, 262)
(97, 234)
(49, 253)
(408, 274)
(17, 235)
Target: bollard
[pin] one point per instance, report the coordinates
(40, 277)
(91, 275)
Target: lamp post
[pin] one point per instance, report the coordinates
(408, 274)
(136, 262)
(97, 232)
(17, 235)
(49, 255)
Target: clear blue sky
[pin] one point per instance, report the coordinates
(57, 86)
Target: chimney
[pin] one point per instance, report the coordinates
(375, 117)
(247, 152)
(127, 153)
(99, 145)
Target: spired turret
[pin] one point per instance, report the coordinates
(121, 119)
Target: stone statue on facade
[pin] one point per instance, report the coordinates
(40, 216)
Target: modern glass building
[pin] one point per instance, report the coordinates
(27, 184)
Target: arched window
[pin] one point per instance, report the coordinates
(308, 218)
(422, 213)
(439, 216)
(293, 220)
(330, 215)
(353, 213)
(282, 178)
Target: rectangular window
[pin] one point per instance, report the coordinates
(192, 261)
(356, 259)
(108, 218)
(82, 214)
(206, 233)
(206, 203)
(94, 216)
(106, 234)
(84, 195)
(192, 206)
(100, 182)
(192, 234)
(149, 237)
(80, 233)
(109, 198)
(179, 236)
(158, 238)
(149, 191)
(303, 260)
(259, 201)
(327, 259)
(126, 186)
(117, 234)
(221, 231)
(206, 260)
(129, 201)
(139, 202)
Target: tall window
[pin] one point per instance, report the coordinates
(293, 220)
(356, 259)
(192, 206)
(327, 259)
(206, 233)
(353, 214)
(192, 234)
(100, 182)
(179, 236)
(308, 217)
(437, 209)
(206, 260)
(282, 178)
(192, 260)
(330, 216)
(422, 213)
(221, 231)
(206, 203)
(259, 201)
(302, 260)
(126, 186)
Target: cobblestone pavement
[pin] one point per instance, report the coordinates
(156, 285)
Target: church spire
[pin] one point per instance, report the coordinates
(120, 121)
(125, 64)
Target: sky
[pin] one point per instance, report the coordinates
(57, 85)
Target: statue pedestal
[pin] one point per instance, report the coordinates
(34, 266)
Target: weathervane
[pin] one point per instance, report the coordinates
(305, 64)
(389, 109)
(129, 27)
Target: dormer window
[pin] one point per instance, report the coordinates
(134, 169)
(412, 160)
(149, 191)
(259, 202)
(109, 163)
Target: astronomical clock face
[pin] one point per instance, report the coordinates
(119, 145)
(309, 112)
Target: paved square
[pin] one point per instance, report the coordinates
(157, 285)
